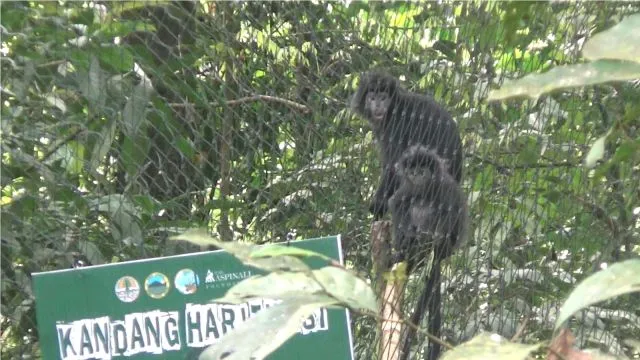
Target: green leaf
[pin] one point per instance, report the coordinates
(618, 279)
(264, 333)
(272, 250)
(92, 84)
(596, 152)
(145, 203)
(347, 288)
(56, 102)
(277, 285)
(626, 150)
(186, 147)
(118, 58)
(72, 156)
(102, 146)
(490, 346)
(597, 72)
(134, 153)
(202, 238)
(244, 252)
(122, 216)
(133, 114)
(91, 251)
(622, 41)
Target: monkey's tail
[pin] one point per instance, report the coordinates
(430, 297)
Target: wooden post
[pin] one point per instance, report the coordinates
(389, 288)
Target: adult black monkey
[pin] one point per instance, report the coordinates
(400, 119)
(429, 212)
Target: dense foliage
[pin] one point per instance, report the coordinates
(124, 123)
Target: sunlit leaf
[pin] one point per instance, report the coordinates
(489, 346)
(92, 84)
(91, 251)
(253, 255)
(347, 288)
(617, 279)
(277, 285)
(133, 114)
(56, 102)
(622, 41)
(596, 152)
(134, 152)
(264, 333)
(103, 145)
(280, 250)
(122, 215)
(80, 41)
(568, 76)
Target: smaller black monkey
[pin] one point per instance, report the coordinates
(429, 214)
(428, 205)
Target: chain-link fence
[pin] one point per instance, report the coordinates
(124, 123)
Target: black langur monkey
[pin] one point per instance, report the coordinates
(400, 119)
(429, 213)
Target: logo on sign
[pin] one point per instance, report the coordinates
(221, 279)
(186, 281)
(127, 289)
(156, 285)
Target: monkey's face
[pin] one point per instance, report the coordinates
(376, 105)
(419, 179)
(415, 174)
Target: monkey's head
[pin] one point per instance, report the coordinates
(420, 165)
(375, 96)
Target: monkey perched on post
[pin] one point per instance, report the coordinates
(429, 212)
(400, 119)
(420, 146)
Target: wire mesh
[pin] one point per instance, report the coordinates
(124, 123)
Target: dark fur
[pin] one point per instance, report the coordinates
(429, 212)
(409, 119)
(423, 211)
(429, 209)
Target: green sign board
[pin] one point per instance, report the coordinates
(160, 309)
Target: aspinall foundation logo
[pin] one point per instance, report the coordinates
(222, 279)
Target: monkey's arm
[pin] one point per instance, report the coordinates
(388, 185)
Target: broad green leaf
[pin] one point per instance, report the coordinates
(56, 102)
(91, 251)
(626, 150)
(92, 84)
(277, 285)
(622, 42)
(80, 41)
(185, 146)
(597, 72)
(490, 346)
(202, 238)
(245, 252)
(347, 288)
(122, 216)
(71, 156)
(596, 152)
(146, 203)
(280, 250)
(133, 114)
(264, 333)
(117, 57)
(618, 279)
(134, 153)
(102, 146)
(278, 263)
